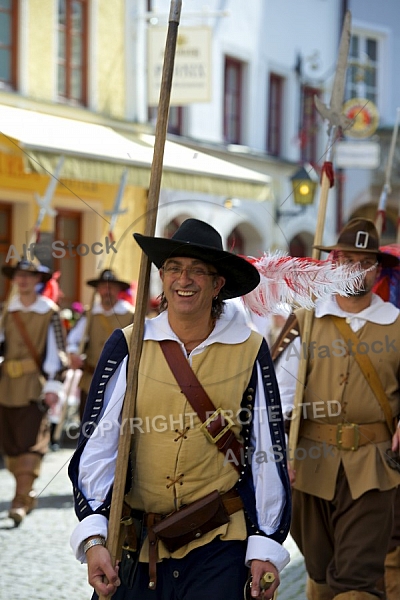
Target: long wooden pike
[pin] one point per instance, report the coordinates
(386, 189)
(143, 284)
(333, 114)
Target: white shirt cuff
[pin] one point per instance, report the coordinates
(91, 525)
(264, 548)
(53, 387)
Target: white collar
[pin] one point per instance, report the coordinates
(120, 308)
(41, 305)
(379, 312)
(230, 328)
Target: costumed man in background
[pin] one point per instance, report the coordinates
(108, 313)
(180, 458)
(31, 381)
(344, 484)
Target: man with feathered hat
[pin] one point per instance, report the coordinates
(344, 480)
(184, 465)
(108, 313)
(31, 378)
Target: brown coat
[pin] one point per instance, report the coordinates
(334, 374)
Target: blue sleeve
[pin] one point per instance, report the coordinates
(245, 485)
(114, 352)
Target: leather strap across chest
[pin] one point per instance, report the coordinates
(217, 426)
(368, 370)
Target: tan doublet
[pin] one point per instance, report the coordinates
(100, 328)
(173, 462)
(18, 391)
(333, 374)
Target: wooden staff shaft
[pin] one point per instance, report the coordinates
(306, 333)
(143, 284)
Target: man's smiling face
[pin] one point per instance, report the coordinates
(190, 285)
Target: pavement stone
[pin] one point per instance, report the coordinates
(37, 561)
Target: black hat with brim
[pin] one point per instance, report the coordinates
(197, 239)
(108, 276)
(28, 267)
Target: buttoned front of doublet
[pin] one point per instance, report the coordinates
(100, 328)
(337, 377)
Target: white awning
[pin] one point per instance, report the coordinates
(98, 153)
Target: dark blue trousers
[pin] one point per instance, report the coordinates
(213, 572)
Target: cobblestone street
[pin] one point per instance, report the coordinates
(38, 563)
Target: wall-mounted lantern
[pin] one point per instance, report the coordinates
(303, 187)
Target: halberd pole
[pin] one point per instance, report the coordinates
(336, 119)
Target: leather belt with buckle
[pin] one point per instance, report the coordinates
(17, 368)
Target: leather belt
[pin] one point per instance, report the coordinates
(17, 368)
(345, 436)
(231, 500)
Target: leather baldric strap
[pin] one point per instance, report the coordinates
(24, 334)
(367, 369)
(217, 426)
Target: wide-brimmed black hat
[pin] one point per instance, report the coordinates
(196, 239)
(361, 235)
(27, 266)
(108, 276)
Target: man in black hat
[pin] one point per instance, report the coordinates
(212, 460)
(108, 313)
(32, 369)
(344, 481)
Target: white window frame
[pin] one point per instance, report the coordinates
(381, 35)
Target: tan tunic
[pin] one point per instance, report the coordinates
(100, 329)
(334, 374)
(173, 462)
(18, 391)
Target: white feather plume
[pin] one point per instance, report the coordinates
(299, 282)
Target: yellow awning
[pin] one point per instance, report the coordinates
(97, 153)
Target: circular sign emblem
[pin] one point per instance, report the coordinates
(365, 117)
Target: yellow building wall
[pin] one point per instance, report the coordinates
(93, 199)
(41, 51)
(110, 58)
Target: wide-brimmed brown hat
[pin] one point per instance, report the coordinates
(361, 235)
(29, 267)
(108, 276)
(197, 239)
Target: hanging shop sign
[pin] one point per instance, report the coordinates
(192, 69)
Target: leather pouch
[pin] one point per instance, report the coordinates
(192, 521)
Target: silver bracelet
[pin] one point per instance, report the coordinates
(95, 541)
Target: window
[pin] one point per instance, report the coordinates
(233, 101)
(68, 229)
(5, 243)
(275, 113)
(309, 126)
(175, 118)
(362, 71)
(72, 50)
(175, 121)
(8, 43)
